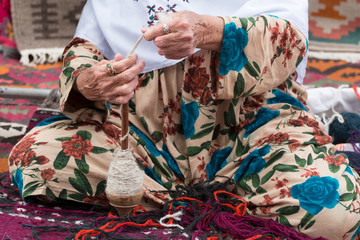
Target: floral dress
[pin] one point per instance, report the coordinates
(239, 114)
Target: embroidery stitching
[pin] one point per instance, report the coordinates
(152, 10)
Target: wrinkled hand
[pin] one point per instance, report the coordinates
(188, 31)
(96, 83)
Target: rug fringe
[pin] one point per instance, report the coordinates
(346, 56)
(36, 56)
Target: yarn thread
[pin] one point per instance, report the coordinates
(341, 131)
(124, 175)
(336, 114)
(201, 211)
(354, 139)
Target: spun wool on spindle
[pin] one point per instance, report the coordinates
(124, 175)
(341, 131)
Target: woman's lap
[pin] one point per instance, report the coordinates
(276, 176)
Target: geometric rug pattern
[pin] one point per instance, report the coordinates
(334, 25)
(18, 219)
(15, 114)
(332, 73)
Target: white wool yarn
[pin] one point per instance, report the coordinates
(124, 175)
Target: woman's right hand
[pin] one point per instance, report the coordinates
(97, 83)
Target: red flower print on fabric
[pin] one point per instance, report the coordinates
(277, 138)
(111, 131)
(294, 144)
(20, 149)
(68, 58)
(296, 122)
(305, 120)
(196, 79)
(321, 138)
(27, 158)
(284, 37)
(77, 147)
(42, 160)
(174, 106)
(206, 97)
(48, 173)
(310, 173)
(274, 32)
(196, 60)
(337, 160)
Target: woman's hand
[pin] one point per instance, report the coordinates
(188, 31)
(97, 83)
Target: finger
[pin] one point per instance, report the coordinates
(155, 31)
(124, 64)
(123, 99)
(111, 82)
(125, 89)
(131, 72)
(122, 93)
(177, 51)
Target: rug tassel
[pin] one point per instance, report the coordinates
(33, 57)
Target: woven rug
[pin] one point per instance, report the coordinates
(19, 219)
(332, 73)
(42, 28)
(334, 29)
(16, 114)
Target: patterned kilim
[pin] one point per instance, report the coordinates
(42, 28)
(332, 73)
(15, 114)
(19, 219)
(334, 27)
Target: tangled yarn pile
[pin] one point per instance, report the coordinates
(202, 211)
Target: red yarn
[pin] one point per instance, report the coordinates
(93, 233)
(240, 209)
(207, 213)
(356, 92)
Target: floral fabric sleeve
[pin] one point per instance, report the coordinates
(260, 53)
(78, 56)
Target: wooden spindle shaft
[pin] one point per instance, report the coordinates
(124, 125)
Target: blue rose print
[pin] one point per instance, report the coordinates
(316, 193)
(189, 115)
(150, 146)
(281, 97)
(232, 56)
(253, 163)
(263, 116)
(171, 161)
(217, 162)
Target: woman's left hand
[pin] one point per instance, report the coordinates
(188, 31)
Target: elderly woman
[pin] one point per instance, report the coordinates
(213, 91)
